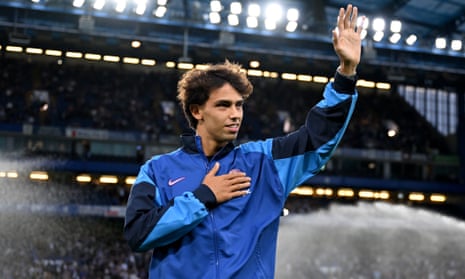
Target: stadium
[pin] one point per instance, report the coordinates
(88, 94)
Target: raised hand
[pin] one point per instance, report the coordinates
(347, 40)
(226, 186)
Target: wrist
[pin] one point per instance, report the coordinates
(347, 71)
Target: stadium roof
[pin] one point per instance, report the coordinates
(185, 32)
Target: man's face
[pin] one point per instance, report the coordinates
(219, 119)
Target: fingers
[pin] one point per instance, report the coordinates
(353, 18)
(347, 18)
(214, 170)
(340, 19)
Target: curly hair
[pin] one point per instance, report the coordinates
(195, 86)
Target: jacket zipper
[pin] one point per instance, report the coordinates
(208, 164)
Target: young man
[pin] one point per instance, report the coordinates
(211, 209)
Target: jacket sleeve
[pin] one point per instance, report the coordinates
(301, 154)
(150, 224)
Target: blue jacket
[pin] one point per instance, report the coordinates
(171, 212)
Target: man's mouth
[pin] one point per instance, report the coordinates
(233, 127)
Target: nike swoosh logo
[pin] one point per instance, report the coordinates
(171, 182)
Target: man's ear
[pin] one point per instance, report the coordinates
(195, 111)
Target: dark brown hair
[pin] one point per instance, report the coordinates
(195, 86)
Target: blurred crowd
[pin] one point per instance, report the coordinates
(116, 98)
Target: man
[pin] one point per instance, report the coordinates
(211, 209)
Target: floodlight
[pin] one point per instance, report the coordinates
(252, 22)
(254, 10)
(233, 20)
(379, 24)
(236, 8)
(396, 26)
(456, 45)
(215, 17)
(291, 26)
(292, 14)
(411, 39)
(378, 36)
(394, 38)
(274, 11)
(440, 43)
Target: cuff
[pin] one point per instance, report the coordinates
(206, 196)
(344, 84)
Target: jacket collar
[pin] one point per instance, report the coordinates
(192, 144)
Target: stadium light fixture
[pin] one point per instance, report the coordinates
(83, 178)
(92, 56)
(289, 76)
(320, 79)
(32, 50)
(215, 17)
(291, 26)
(38, 175)
(130, 180)
(411, 39)
(148, 62)
(108, 179)
(252, 22)
(136, 44)
(416, 196)
(307, 78)
(185, 66)
(395, 38)
(141, 6)
(14, 49)
(9, 174)
(201, 66)
(378, 36)
(215, 6)
(345, 192)
(235, 8)
(254, 72)
(98, 4)
(437, 198)
(111, 58)
(254, 10)
(324, 192)
(440, 43)
(378, 24)
(160, 11)
(254, 64)
(170, 64)
(383, 85)
(274, 11)
(366, 194)
(270, 24)
(292, 14)
(233, 20)
(303, 191)
(456, 45)
(78, 3)
(131, 60)
(366, 83)
(120, 6)
(396, 26)
(73, 54)
(53, 52)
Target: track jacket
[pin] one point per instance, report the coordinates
(171, 212)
